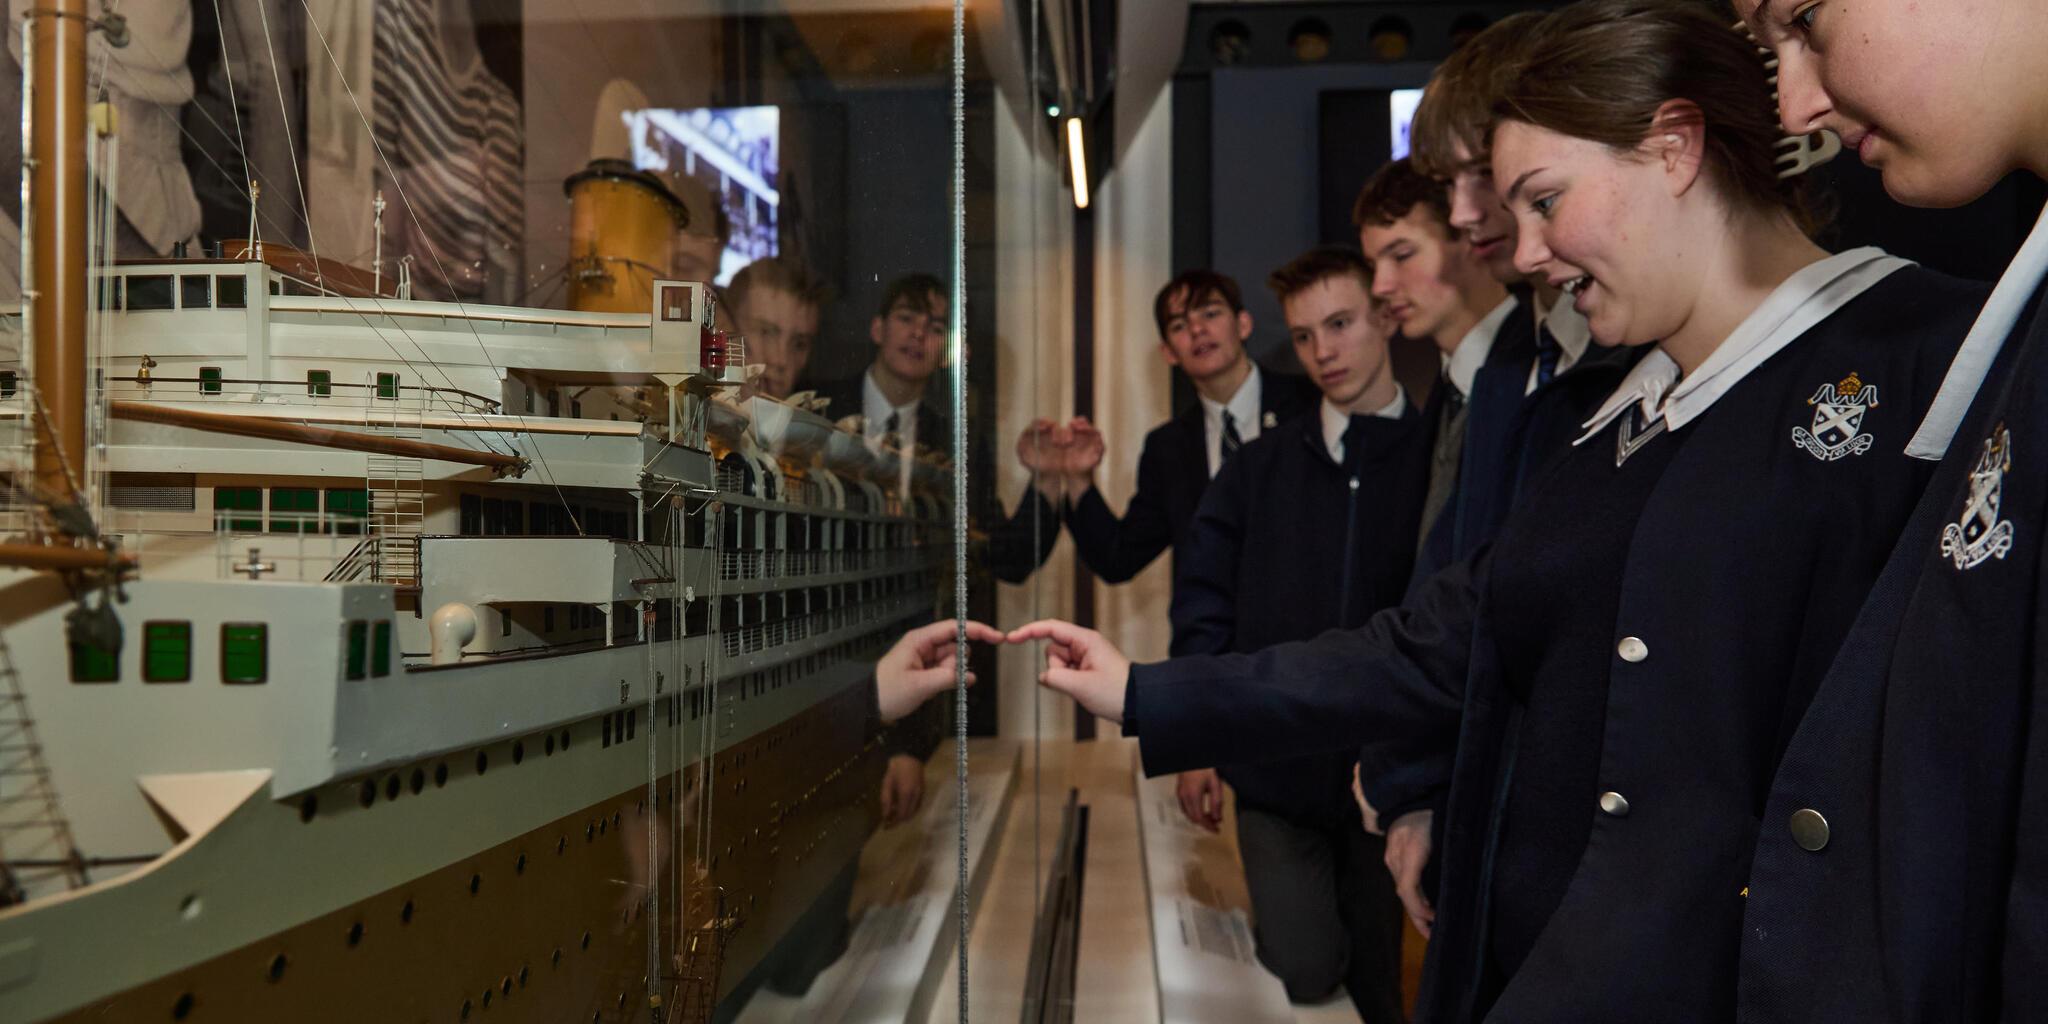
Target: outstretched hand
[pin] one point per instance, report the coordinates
(921, 665)
(1081, 664)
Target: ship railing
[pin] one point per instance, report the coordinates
(730, 642)
(374, 395)
(259, 544)
(752, 638)
(740, 565)
(799, 629)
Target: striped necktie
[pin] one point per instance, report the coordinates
(1232, 440)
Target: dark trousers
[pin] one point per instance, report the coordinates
(1324, 910)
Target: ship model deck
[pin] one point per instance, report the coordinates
(489, 659)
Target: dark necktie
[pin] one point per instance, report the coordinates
(1548, 352)
(894, 422)
(1232, 440)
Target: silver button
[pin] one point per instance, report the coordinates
(1614, 804)
(1809, 829)
(1632, 650)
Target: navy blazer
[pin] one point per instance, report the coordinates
(1256, 572)
(1510, 434)
(1173, 471)
(1926, 755)
(1749, 567)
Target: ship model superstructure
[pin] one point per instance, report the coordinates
(415, 660)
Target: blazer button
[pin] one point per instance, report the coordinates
(1632, 650)
(1809, 829)
(1614, 804)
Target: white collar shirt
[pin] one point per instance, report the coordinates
(1462, 365)
(1804, 300)
(876, 410)
(1244, 412)
(1336, 421)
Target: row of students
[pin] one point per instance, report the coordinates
(1738, 703)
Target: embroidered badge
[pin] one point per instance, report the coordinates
(1980, 534)
(1837, 417)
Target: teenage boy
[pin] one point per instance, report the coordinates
(1255, 571)
(1202, 330)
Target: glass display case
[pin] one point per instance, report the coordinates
(464, 461)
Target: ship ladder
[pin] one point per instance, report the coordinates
(35, 839)
(397, 491)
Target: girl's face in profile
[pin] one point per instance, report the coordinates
(1940, 97)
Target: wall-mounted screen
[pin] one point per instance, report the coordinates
(734, 153)
(1401, 104)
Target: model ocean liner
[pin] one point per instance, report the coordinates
(374, 659)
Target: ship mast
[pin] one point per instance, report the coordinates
(59, 247)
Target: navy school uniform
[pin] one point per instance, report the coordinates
(1511, 434)
(1173, 471)
(1289, 543)
(1902, 872)
(1618, 697)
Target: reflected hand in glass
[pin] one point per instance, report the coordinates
(920, 666)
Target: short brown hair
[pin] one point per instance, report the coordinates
(914, 292)
(1395, 190)
(1316, 266)
(1456, 111)
(1196, 287)
(1601, 69)
(776, 274)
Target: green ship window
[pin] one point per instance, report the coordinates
(347, 508)
(240, 499)
(196, 291)
(166, 652)
(358, 648)
(231, 292)
(244, 652)
(320, 383)
(294, 510)
(209, 380)
(90, 664)
(10, 383)
(380, 649)
(387, 385)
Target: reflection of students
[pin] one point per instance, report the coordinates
(893, 400)
(774, 306)
(1634, 662)
(909, 334)
(1255, 572)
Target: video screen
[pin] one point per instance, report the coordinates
(734, 154)
(1401, 104)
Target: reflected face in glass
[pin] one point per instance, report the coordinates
(1416, 264)
(1478, 215)
(910, 342)
(696, 257)
(1340, 336)
(1204, 336)
(1942, 98)
(1604, 226)
(780, 330)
